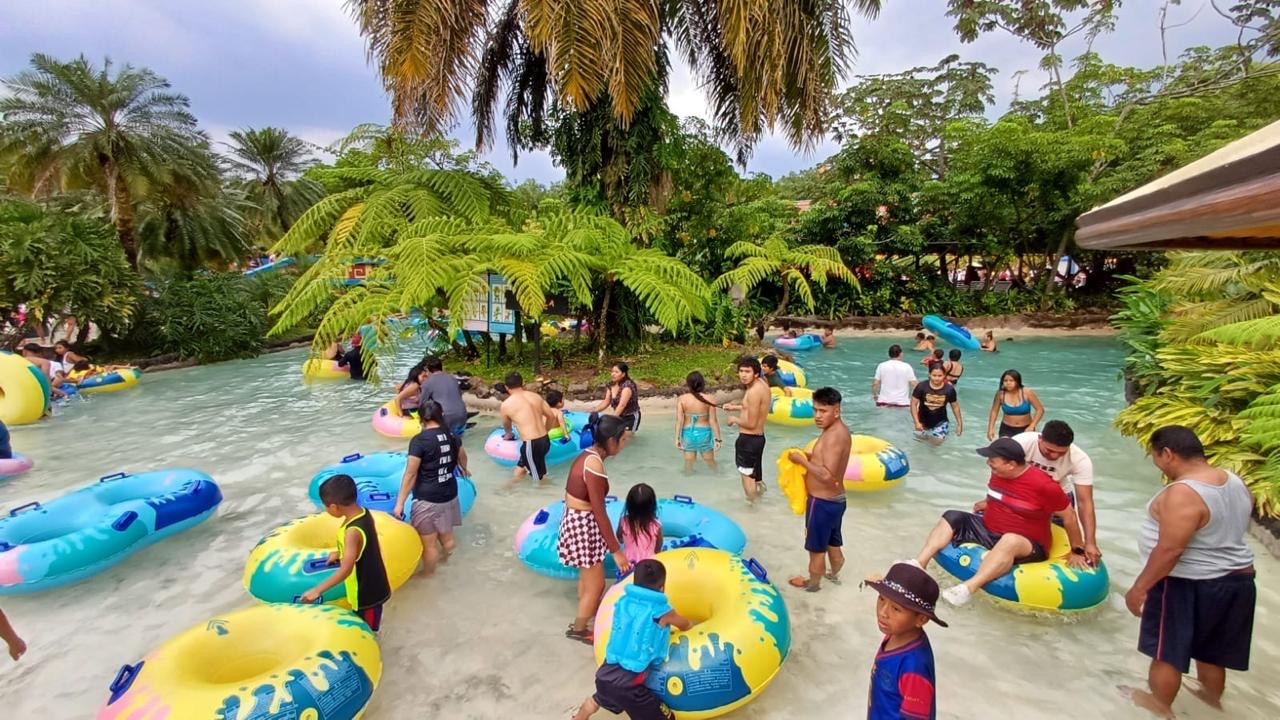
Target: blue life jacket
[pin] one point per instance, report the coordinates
(636, 640)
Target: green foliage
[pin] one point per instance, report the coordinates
(211, 317)
(268, 163)
(795, 268)
(1210, 360)
(59, 260)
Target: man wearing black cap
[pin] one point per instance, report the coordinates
(1013, 523)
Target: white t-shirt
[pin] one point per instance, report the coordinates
(896, 378)
(1073, 468)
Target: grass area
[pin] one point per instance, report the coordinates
(661, 364)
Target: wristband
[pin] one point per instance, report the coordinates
(1077, 551)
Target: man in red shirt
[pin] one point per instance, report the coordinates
(1013, 523)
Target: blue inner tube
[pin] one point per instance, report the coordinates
(808, 341)
(377, 477)
(685, 523)
(46, 545)
(951, 333)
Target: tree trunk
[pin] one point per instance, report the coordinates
(82, 334)
(601, 331)
(786, 298)
(535, 333)
(502, 346)
(942, 266)
(518, 337)
(1053, 272)
(473, 352)
(121, 204)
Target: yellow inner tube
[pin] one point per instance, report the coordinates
(795, 410)
(314, 656)
(287, 549)
(395, 419)
(24, 392)
(866, 471)
(732, 609)
(320, 369)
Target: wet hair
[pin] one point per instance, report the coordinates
(1011, 373)
(81, 365)
(650, 574)
(1181, 441)
(937, 353)
(414, 372)
(769, 361)
(937, 366)
(433, 364)
(641, 509)
(514, 380)
(919, 336)
(609, 427)
(895, 351)
(431, 411)
(1058, 433)
(930, 338)
(750, 362)
(826, 396)
(63, 343)
(554, 397)
(697, 385)
(339, 489)
(34, 349)
(955, 355)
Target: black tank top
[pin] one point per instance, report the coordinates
(633, 402)
(367, 585)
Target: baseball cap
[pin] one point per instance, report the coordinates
(1006, 448)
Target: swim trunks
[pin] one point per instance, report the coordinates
(631, 421)
(822, 519)
(1207, 620)
(748, 453)
(967, 527)
(430, 518)
(372, 616)
(533, 456)
(620, 691)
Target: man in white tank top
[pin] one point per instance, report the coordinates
(1196, 591)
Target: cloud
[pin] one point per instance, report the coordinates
(300, 64)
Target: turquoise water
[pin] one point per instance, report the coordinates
(483, 639)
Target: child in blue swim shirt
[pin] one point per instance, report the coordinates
(638, 638)
(902, 677)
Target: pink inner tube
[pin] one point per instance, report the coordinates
(499, 448)
(15, 465)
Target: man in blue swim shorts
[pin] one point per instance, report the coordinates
(824, 485)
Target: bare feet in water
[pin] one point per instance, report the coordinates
(1147, 701)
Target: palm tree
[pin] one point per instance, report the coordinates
(269, 161)
(764, 64)
(115, 128)
(793, 267)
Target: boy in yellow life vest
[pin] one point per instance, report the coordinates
(359, 556)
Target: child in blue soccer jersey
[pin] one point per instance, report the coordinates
(902, 679)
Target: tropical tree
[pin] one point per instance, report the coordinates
(68, 121)
(59, 260)
(189, 226)
(269, 162)
(764, 64)
(792, 267)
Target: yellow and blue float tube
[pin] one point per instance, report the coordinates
(795, 409)
(24, 391)
(742, 636)
(1052, 585)
(312, 662)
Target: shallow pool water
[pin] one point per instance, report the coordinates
(483, 639)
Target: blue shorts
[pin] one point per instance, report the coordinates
(822, 523)
(697, 439)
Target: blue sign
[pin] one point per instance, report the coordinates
(488, 311)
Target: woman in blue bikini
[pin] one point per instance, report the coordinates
(696, 422)
(1019, 404)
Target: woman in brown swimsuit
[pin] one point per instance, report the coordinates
(585, 531)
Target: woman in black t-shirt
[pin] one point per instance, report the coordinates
(929, 401)
(436, 459)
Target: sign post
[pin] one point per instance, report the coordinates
(487, 311)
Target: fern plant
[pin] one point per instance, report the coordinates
(792, 267)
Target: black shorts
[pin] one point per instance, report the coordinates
(619, 691)
(969, 528)
(1206, 620)
(533, 456)
(822, 519)
(372, 616)
(1009, 430)
(631, 421)
(748, 455)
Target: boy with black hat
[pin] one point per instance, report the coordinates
(902, 678)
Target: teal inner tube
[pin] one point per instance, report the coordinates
(378, 477)
(951, 333)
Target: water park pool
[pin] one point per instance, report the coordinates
(484, 638)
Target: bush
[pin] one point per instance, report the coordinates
(212, 317)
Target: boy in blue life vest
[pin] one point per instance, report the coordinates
(360, 570)
(902, 677)
(639, 637)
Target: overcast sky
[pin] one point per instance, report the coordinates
(300, 64)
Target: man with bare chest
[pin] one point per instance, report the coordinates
(749, 448)
(824, 485)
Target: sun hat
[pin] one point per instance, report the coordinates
(910, 587)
